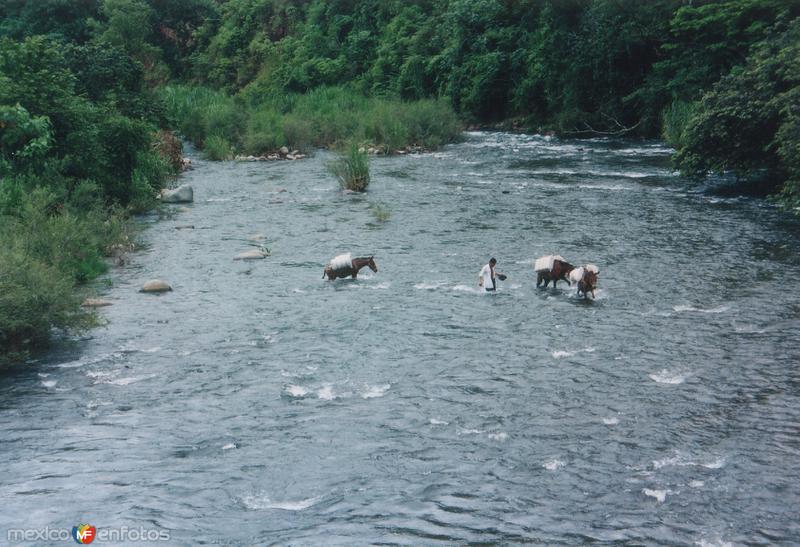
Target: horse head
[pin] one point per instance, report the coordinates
(371, 264)
(590, 280)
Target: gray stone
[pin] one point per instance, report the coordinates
(181, 194)
(155, 286)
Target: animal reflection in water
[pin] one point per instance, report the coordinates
(552, 268)
(586, 278)
(344, 266)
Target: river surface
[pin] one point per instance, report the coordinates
(258, 404)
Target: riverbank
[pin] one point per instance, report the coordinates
(225, 127)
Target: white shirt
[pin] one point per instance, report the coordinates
(486, 274)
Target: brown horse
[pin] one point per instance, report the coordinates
(586, 278)
(336, 268)
(559, 271)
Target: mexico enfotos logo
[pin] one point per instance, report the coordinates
(86, 533)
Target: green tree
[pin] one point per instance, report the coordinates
(67, 20)
(129, 26)
(750, 121)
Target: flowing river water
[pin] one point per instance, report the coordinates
(259, 404)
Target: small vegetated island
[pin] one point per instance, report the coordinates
(95, 95)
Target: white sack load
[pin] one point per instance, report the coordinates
(576, 275)
(545, 263)
(341, 262)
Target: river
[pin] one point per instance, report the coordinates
(257, 403)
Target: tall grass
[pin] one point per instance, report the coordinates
(47, 248)
(675, 120)
(217, 148)
(352, 169)
(323, 117)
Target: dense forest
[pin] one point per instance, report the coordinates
(91, 90)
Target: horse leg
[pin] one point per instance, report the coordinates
(538, 279)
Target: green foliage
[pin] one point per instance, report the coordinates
(749, 122)
(264, 131)
(325, 116)
(381, 212)
(67, 133)
(200, 112)
(129, 26)
(24, 139)
(46, 248)
(675, 120)
(34, 298)
(180, 25)
(76, 136)
(217, 148)
(67, 20)
(351, 168)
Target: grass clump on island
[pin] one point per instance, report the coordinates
(352, 169)
(251, 124)
(381, 212)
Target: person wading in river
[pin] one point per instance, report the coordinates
(488, 277)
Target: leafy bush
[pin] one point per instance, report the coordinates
(324, 117)
(748, 122)
(47, 247)
(217, 148)
(301, 133)
(34, 297)
(352, 169)
(264, 132)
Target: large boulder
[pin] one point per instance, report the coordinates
(181, 194)
(156, 286)
(253, 254)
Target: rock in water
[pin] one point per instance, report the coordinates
(156, 285)
(181, 194)
(254, 254)
(96, 303)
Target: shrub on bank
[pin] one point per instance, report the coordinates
(264, 131)
(34, 297)
(217, 148)
(323, 117)
(47, 248)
